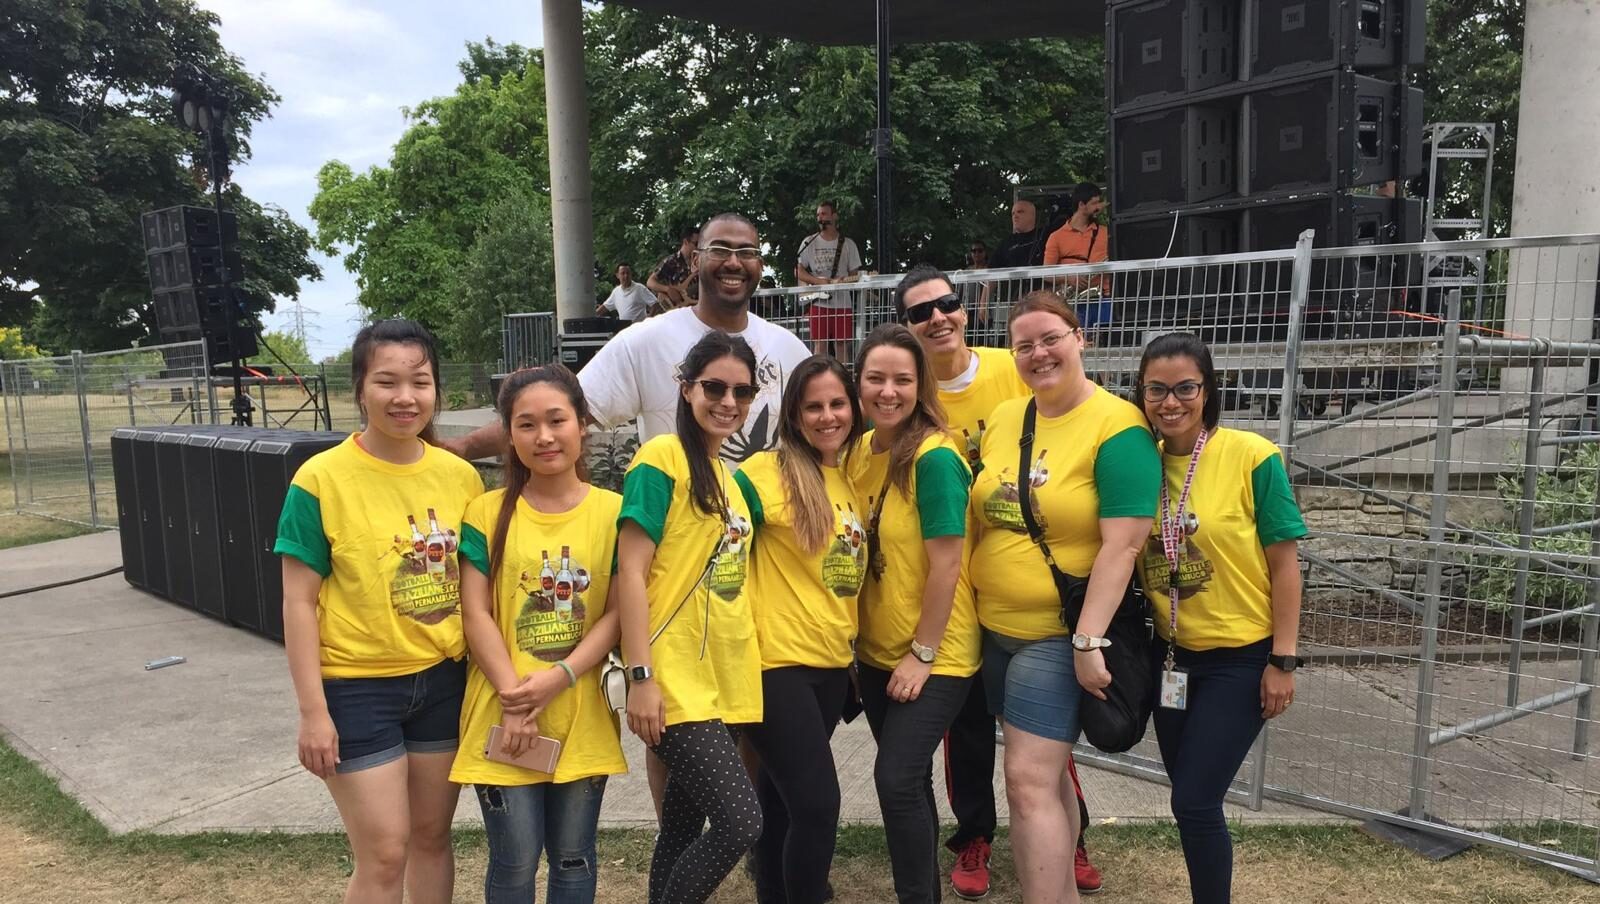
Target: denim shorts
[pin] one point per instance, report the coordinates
(382, 719)
(1031, 685)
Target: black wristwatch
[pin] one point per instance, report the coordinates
(1284, 663)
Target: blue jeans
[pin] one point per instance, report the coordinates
(1203, 747)
(523, 821)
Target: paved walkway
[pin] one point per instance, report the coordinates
(210, 744)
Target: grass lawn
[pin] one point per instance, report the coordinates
(21, 530)
(52, 850)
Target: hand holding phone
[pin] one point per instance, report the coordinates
(540, 756)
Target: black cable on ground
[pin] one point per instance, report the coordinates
(67, 583)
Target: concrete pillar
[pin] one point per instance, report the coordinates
(571, 193)
(1550, 292)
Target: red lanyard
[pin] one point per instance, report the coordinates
(1172, 532)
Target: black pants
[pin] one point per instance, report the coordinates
(1202, 748)
(907, 734)
(969, 769)
(705, 779)
(799, 786)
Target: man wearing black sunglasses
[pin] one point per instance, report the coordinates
(634, 375)
(972, 382)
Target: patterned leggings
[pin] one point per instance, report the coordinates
(705, 779)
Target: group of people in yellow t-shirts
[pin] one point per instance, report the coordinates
(874, 561)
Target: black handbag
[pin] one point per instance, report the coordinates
(1118, 722)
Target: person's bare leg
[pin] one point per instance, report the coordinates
(430, 860)
(1043, 829)
(376, 811)
(655, 772)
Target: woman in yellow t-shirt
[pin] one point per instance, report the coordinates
(1092, 478)
(918, 646)
(688, 636)
(371, 619)
(805, 572)
(533, 602)
(1226, 536)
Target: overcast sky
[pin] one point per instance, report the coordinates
(344, 69)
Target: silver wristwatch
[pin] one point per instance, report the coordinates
(1085, 643)
(924, 654)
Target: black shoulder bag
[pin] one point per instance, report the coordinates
(1116, 723)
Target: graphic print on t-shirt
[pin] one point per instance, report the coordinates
(426, 586)
(844, 563)
(733, 558)
(1194, 568)
(554, 606)
(1003, 508)
(760, 429)
(974, 442)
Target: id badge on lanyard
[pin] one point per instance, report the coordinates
(1174, 688)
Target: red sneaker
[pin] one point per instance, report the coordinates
(1084, 872)
(970, 878)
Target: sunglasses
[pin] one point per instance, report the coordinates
(715, 390)
(922, 313)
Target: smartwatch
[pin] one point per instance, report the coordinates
(1284, 663)
(640, 673)
(1084, 643)
(924, 654)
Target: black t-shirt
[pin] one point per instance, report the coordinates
(1020, 249)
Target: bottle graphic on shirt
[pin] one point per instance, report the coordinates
(1039, 475)
(564, 583)
(547, 575)
(435, 548)
(419, 543)
(972, 446)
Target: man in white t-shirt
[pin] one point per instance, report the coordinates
(634, 375)
(827, 257)
(629, 300)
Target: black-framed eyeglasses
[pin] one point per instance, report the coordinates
(922, 313)
(719, 253)
(715, 390)
(1047, 341)
(1187, 391)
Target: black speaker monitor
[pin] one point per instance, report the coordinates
(1184, 155)
(151, 531)
(175, 516)
(129, 531)
(1167, 48)
(272, 464)
(1296, 36)
(1336, 130)
(241, 597)
(205, 540)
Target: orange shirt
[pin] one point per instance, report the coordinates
(1072, 246)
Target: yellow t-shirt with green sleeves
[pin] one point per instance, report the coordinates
(891, 601)
(707, 661)
(383, 536)
(1242, 503)
(969, 408)
(1096, 461)
(805, 603)
(551, 590)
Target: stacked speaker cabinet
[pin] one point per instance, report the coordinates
(241, 565)
(1221, 108)
(152, 529)
(129, 530)
(193, 278)
(272, 462)
(205, 536)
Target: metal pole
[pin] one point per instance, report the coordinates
(22, 420)
(8, 385)
(1421, 751)
(882, 147)
(211, 386)
(1588, 638)
(1530, 486)
(83, 425)
(127, 380)
(571, 191)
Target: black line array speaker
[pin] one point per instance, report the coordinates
(198, 508)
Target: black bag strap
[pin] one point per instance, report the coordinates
(1029, 418)
(838, 253)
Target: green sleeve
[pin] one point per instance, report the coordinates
(942, 484)
(646, 497)
(300, 533)
(1127, 475)
(752, 498)
(474, 547)
(1277, 516)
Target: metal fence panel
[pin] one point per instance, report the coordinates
(528, 339)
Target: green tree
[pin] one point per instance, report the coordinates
(14, 346)
(510, 269)
(90, 143)
(287, 345)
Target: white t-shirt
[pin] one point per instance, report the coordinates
(630, 303)
(634, 375)
(817, 257)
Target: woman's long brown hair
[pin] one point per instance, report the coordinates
(805, 489)
(927, 416)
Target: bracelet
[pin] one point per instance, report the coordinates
(572, 677)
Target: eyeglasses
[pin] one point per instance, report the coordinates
(719, 253)
(715, 390)
(1048, 341)
(1187, 391)
(922, 313)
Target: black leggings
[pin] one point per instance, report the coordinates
(799, 787)
(705, 779)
